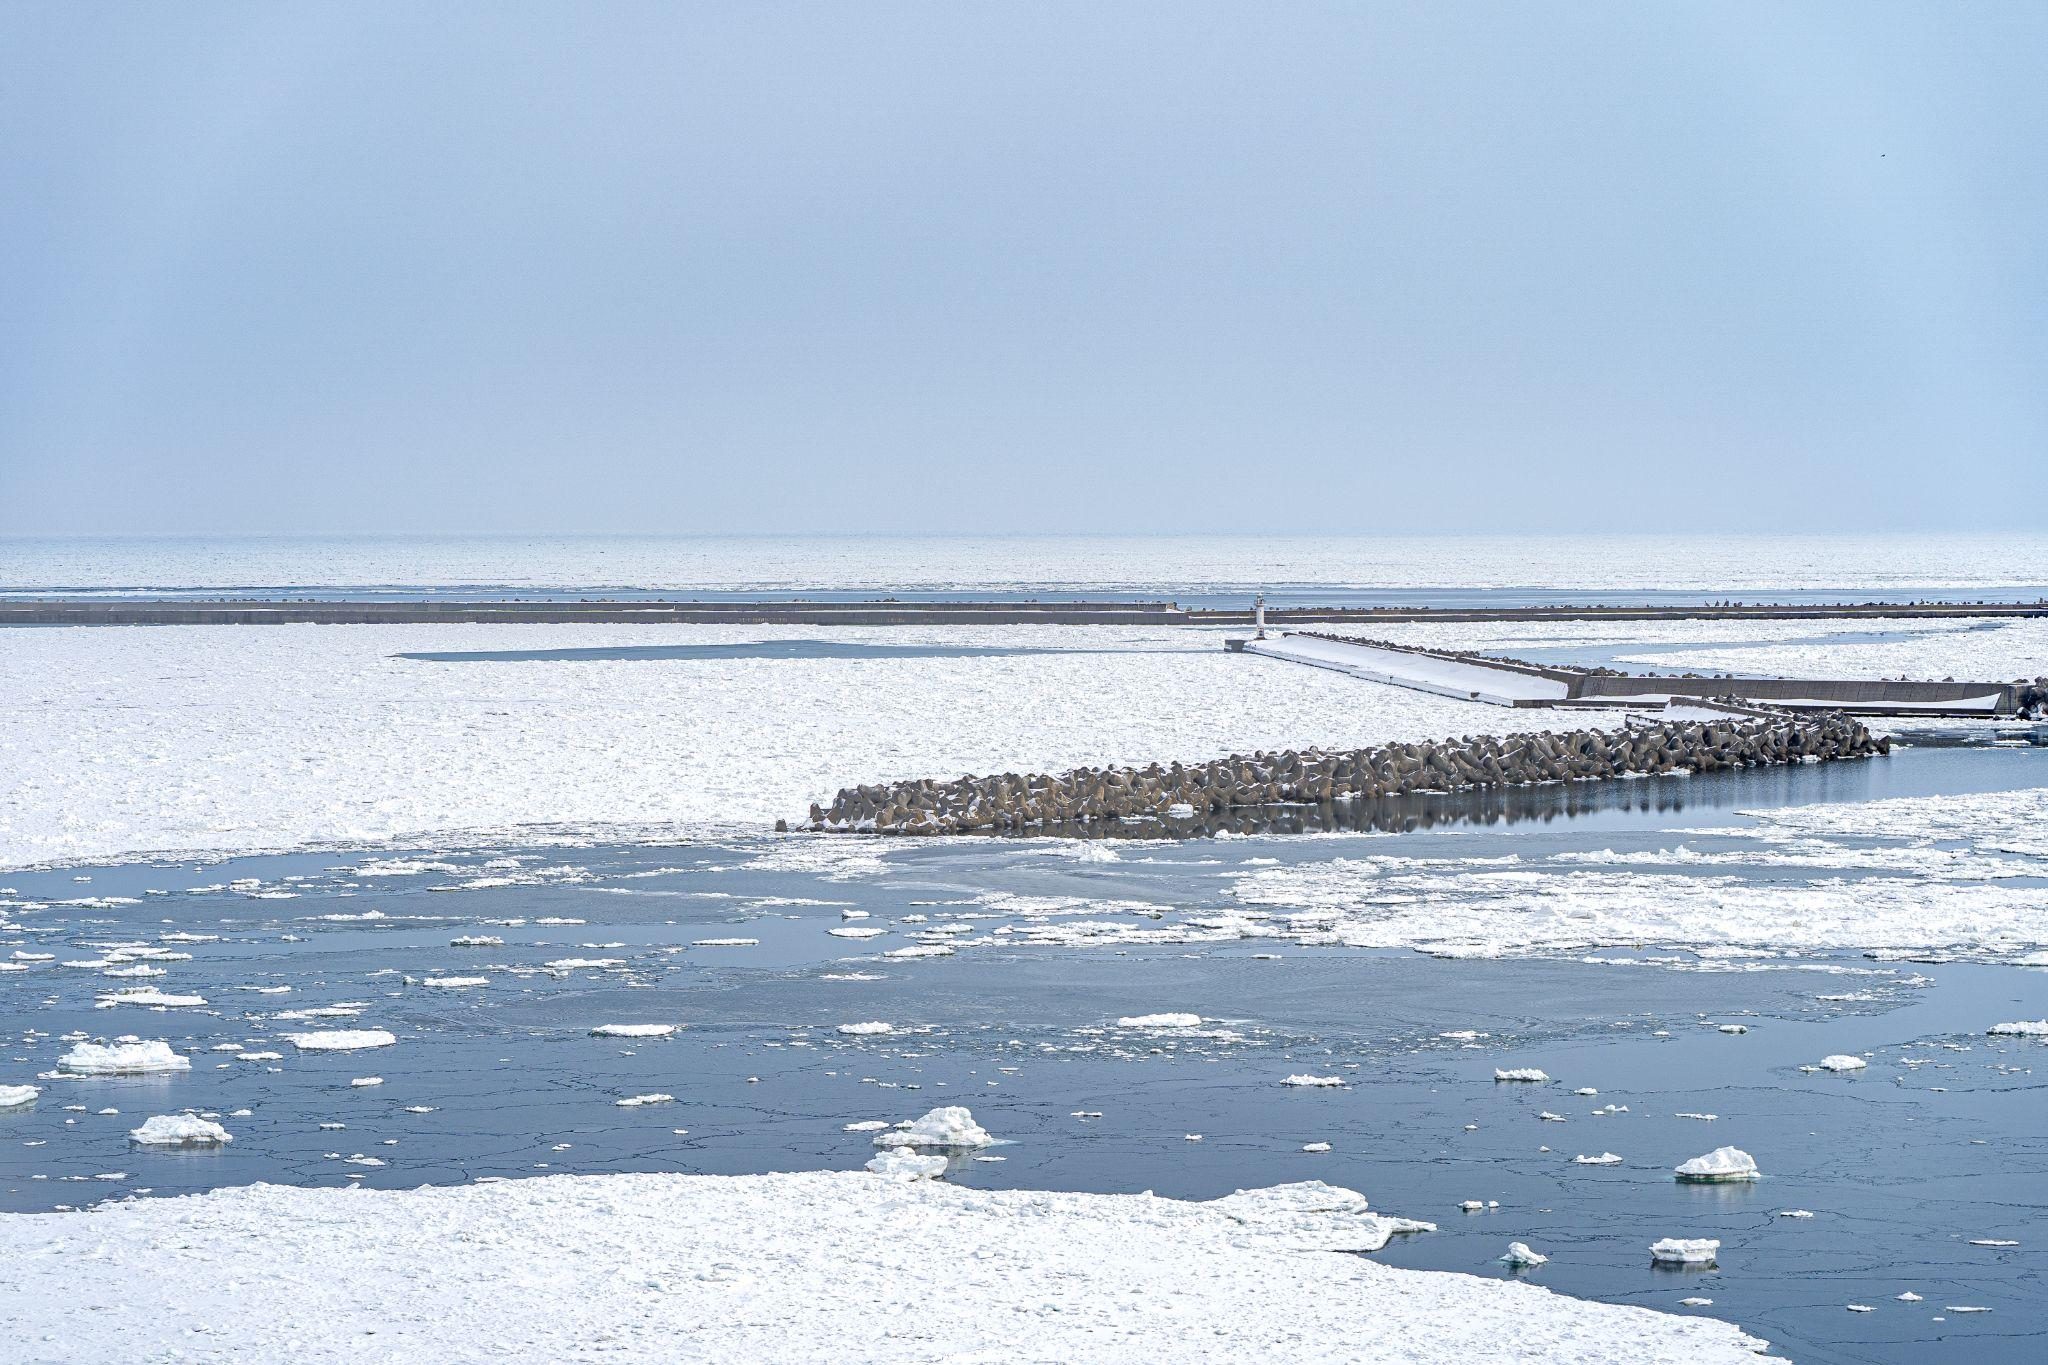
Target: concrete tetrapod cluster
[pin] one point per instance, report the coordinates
(1007, 801)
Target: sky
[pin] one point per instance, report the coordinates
(949, 267)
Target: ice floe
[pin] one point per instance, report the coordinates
(905, 1165)
(1686, 1250)
(1161, 1021)
(947, 1126)
(1519, 1254)
(1841, 1061)
(1723, 1163)
(342, 1040)
(14, 1096)
(1520, 1073)
(1604, 1159)
(179, 1130)
(1309, 1081)
(124, 1056)
(2020, 1028)
(633, 1030)
(868, 1029)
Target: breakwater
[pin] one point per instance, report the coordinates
(1010, 801)
(137, 611)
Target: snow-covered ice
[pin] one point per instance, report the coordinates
(774, 1268)
(116, 738)
(2020, 1028)
(902, 1164)
(123, 1056)
(1686, 1250)
(1519, 1254)
(867, 1029)
(342, 1040)
(1723, 1163)
(1842, 1061)
(14, 1096)
(947, 1126)
(632, 1030)
(1530, 1074)
(1171, 1020)
(179, 1130)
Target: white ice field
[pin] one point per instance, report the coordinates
(120, 742)
(771, 1268)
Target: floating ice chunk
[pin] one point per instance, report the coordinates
(455, 983)
(947, 1126)
(476, 941)
(1962, 1308)
(1734, 1028)
(1519, 1073)
(907, 1165)
(1473, 1205)
(868, 1029)
(1549, 1117)
(365, 1082)
(1695, 1302)
(179, 1130)
(1585, 1090)
(1316, 1147)
(632, 1030)
(1685, 1250)
(636, 1101)
(1159, 1021)
(1312, 1215)
(864, 1126)
(1795, 1213)
(2020, 1028)
(1463, 1035)
(921, 950)
(1993, 1242)
(1723, 1163)
(342, 1040)
(725, 942)
(1841, 1061)
(123, 1057)
(1909, 1297)
(1604, 1159)
(1860, 1308)
(14, 1096)
(149, 995)
(1709, 1118)
(1307, 1080)
(856, 931)
(1519, 1255)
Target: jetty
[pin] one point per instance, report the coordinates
(1513, 682)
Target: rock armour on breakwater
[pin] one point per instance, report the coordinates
(1009, 801)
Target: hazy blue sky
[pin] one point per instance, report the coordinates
(275, 267)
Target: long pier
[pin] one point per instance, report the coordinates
(131, 611)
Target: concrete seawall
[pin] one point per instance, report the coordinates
(1009, 801)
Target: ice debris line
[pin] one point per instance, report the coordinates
(1009, 801)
